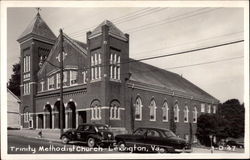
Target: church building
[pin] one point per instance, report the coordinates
(102, 84)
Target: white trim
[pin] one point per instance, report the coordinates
(118, 37)
(53, 120)
(66, 119)
(44, 120)
(95, 35)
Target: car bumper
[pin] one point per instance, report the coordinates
(183, 150)
(107, 141)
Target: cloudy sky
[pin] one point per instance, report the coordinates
(158, 31)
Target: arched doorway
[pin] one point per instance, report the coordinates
(71, 115)
(57, 115)
(48, 116)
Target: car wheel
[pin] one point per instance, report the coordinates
(91, 142)
(162, 150)
(65, 140)
(121, 145)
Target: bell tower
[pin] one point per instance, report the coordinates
(35, 44)
(108, 56)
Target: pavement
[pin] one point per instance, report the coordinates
(48, 134)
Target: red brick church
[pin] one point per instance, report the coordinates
(101, 84)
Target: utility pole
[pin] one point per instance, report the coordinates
(61, 84)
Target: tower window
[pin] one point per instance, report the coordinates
(26, 64)
(115, 66)
(95, 66)
(26, 88)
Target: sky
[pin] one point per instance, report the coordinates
(157, 31)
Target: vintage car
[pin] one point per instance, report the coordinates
(92, 134)
(152, 140)
(235, 144)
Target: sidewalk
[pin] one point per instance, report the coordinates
(48, 134)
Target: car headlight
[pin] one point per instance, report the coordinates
(109, 135)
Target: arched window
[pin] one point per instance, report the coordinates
(195, 115)
(95, 110)
(138, 109)
(186, 113)
(209, 108)
(165, 112)
(152, 108)
(114, 110)
(176, 113)
(214, 109)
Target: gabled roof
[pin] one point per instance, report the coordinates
(148, 74)
(9, 91)
(112, 29)
(80, 46)
(38, 27)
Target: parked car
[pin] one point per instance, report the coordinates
(154, 140)
(92, 134)
(234, 143)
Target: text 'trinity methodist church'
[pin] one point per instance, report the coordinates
(101, 84)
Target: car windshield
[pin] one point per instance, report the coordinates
(168, 133)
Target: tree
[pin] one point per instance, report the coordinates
(15, 80)
(234, 113)
(211, 124)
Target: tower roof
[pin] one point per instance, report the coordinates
(38, 27)
(112, 29)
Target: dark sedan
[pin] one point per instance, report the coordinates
(152, 140)
(92, 134)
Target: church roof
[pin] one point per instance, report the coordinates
(112, 29)
(38, 27)
(148, 74)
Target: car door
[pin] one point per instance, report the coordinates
(79, 131)
(153, 139)
(137, 139)
(88, 129)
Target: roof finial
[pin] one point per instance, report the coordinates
(38, 10)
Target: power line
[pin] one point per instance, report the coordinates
(190, 65)
(174, 54)
(189, 42)
(170, 20)
(165, 21)
(120, 21)
(208, 62)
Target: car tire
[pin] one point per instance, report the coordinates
(91, 142)
(121, 145)
(65, 140)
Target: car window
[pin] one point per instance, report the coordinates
(86, 128)
(140, 131)
(153, 133)
(168, 134)
(102, 127)
(80, 128)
